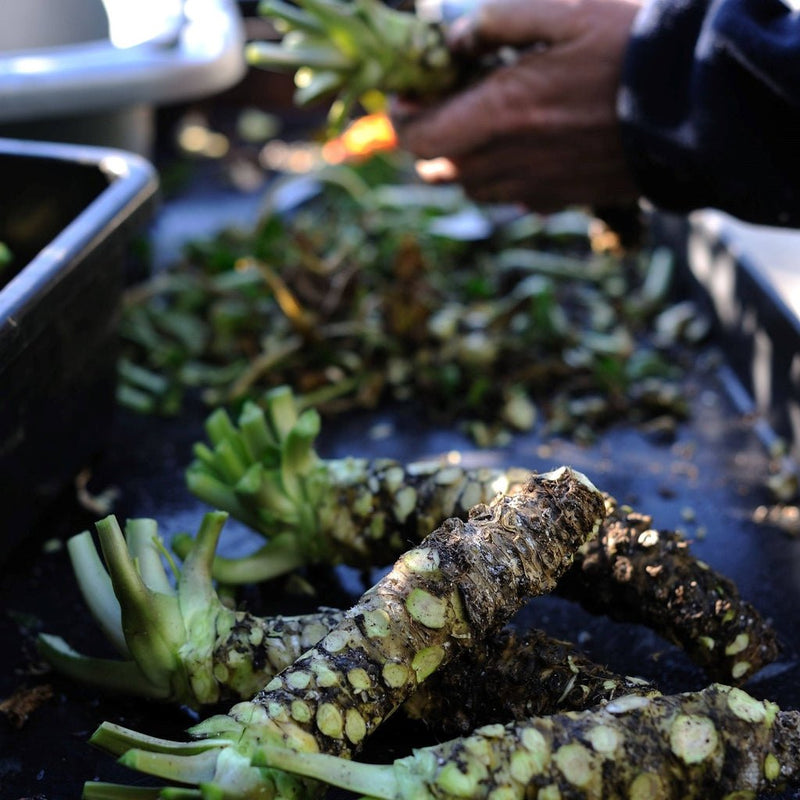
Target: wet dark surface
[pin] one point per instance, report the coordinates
(707, 482)
(713, 470)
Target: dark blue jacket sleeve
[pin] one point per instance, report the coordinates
(710, 107)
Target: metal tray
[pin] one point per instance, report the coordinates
(707, 482)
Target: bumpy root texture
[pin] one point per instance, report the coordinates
(364, 512)
(463, 582)
(633, 572)
(378, 507)
(514, 675)
(719, 743)
(264, 471)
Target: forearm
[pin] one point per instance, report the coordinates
(710, 107)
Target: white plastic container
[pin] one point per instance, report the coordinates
(92, 71)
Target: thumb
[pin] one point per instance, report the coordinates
(498, 23)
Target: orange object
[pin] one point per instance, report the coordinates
(370, 134)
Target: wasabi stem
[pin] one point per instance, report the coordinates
(96, 588)
(265, 472)
(100, 790)
(142, 610)
(182, 644)
(343, 50)
(718, 743)
(462, 583)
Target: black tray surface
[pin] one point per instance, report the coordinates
(710, 475)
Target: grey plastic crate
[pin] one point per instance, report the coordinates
(747, 277)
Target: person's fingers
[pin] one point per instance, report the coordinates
(506, 101)
(513, 191)
(496, 23)
(543, 130)
(446, 129)
(436, 170)
(548, 175)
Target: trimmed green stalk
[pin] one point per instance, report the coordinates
(181, 645)
(265, 472)
(462, 583)
(718, 743)
(96, 588)
(634, 572)
(343, 50)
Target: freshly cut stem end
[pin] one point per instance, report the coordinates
(118, 740)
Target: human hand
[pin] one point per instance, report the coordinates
(543, 130)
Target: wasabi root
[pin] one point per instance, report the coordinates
(717, 743)
(264, 471)
(462, 583)
(361, 512)
(231, 654)
(514, 675)
(180, 643)
(634, 572)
